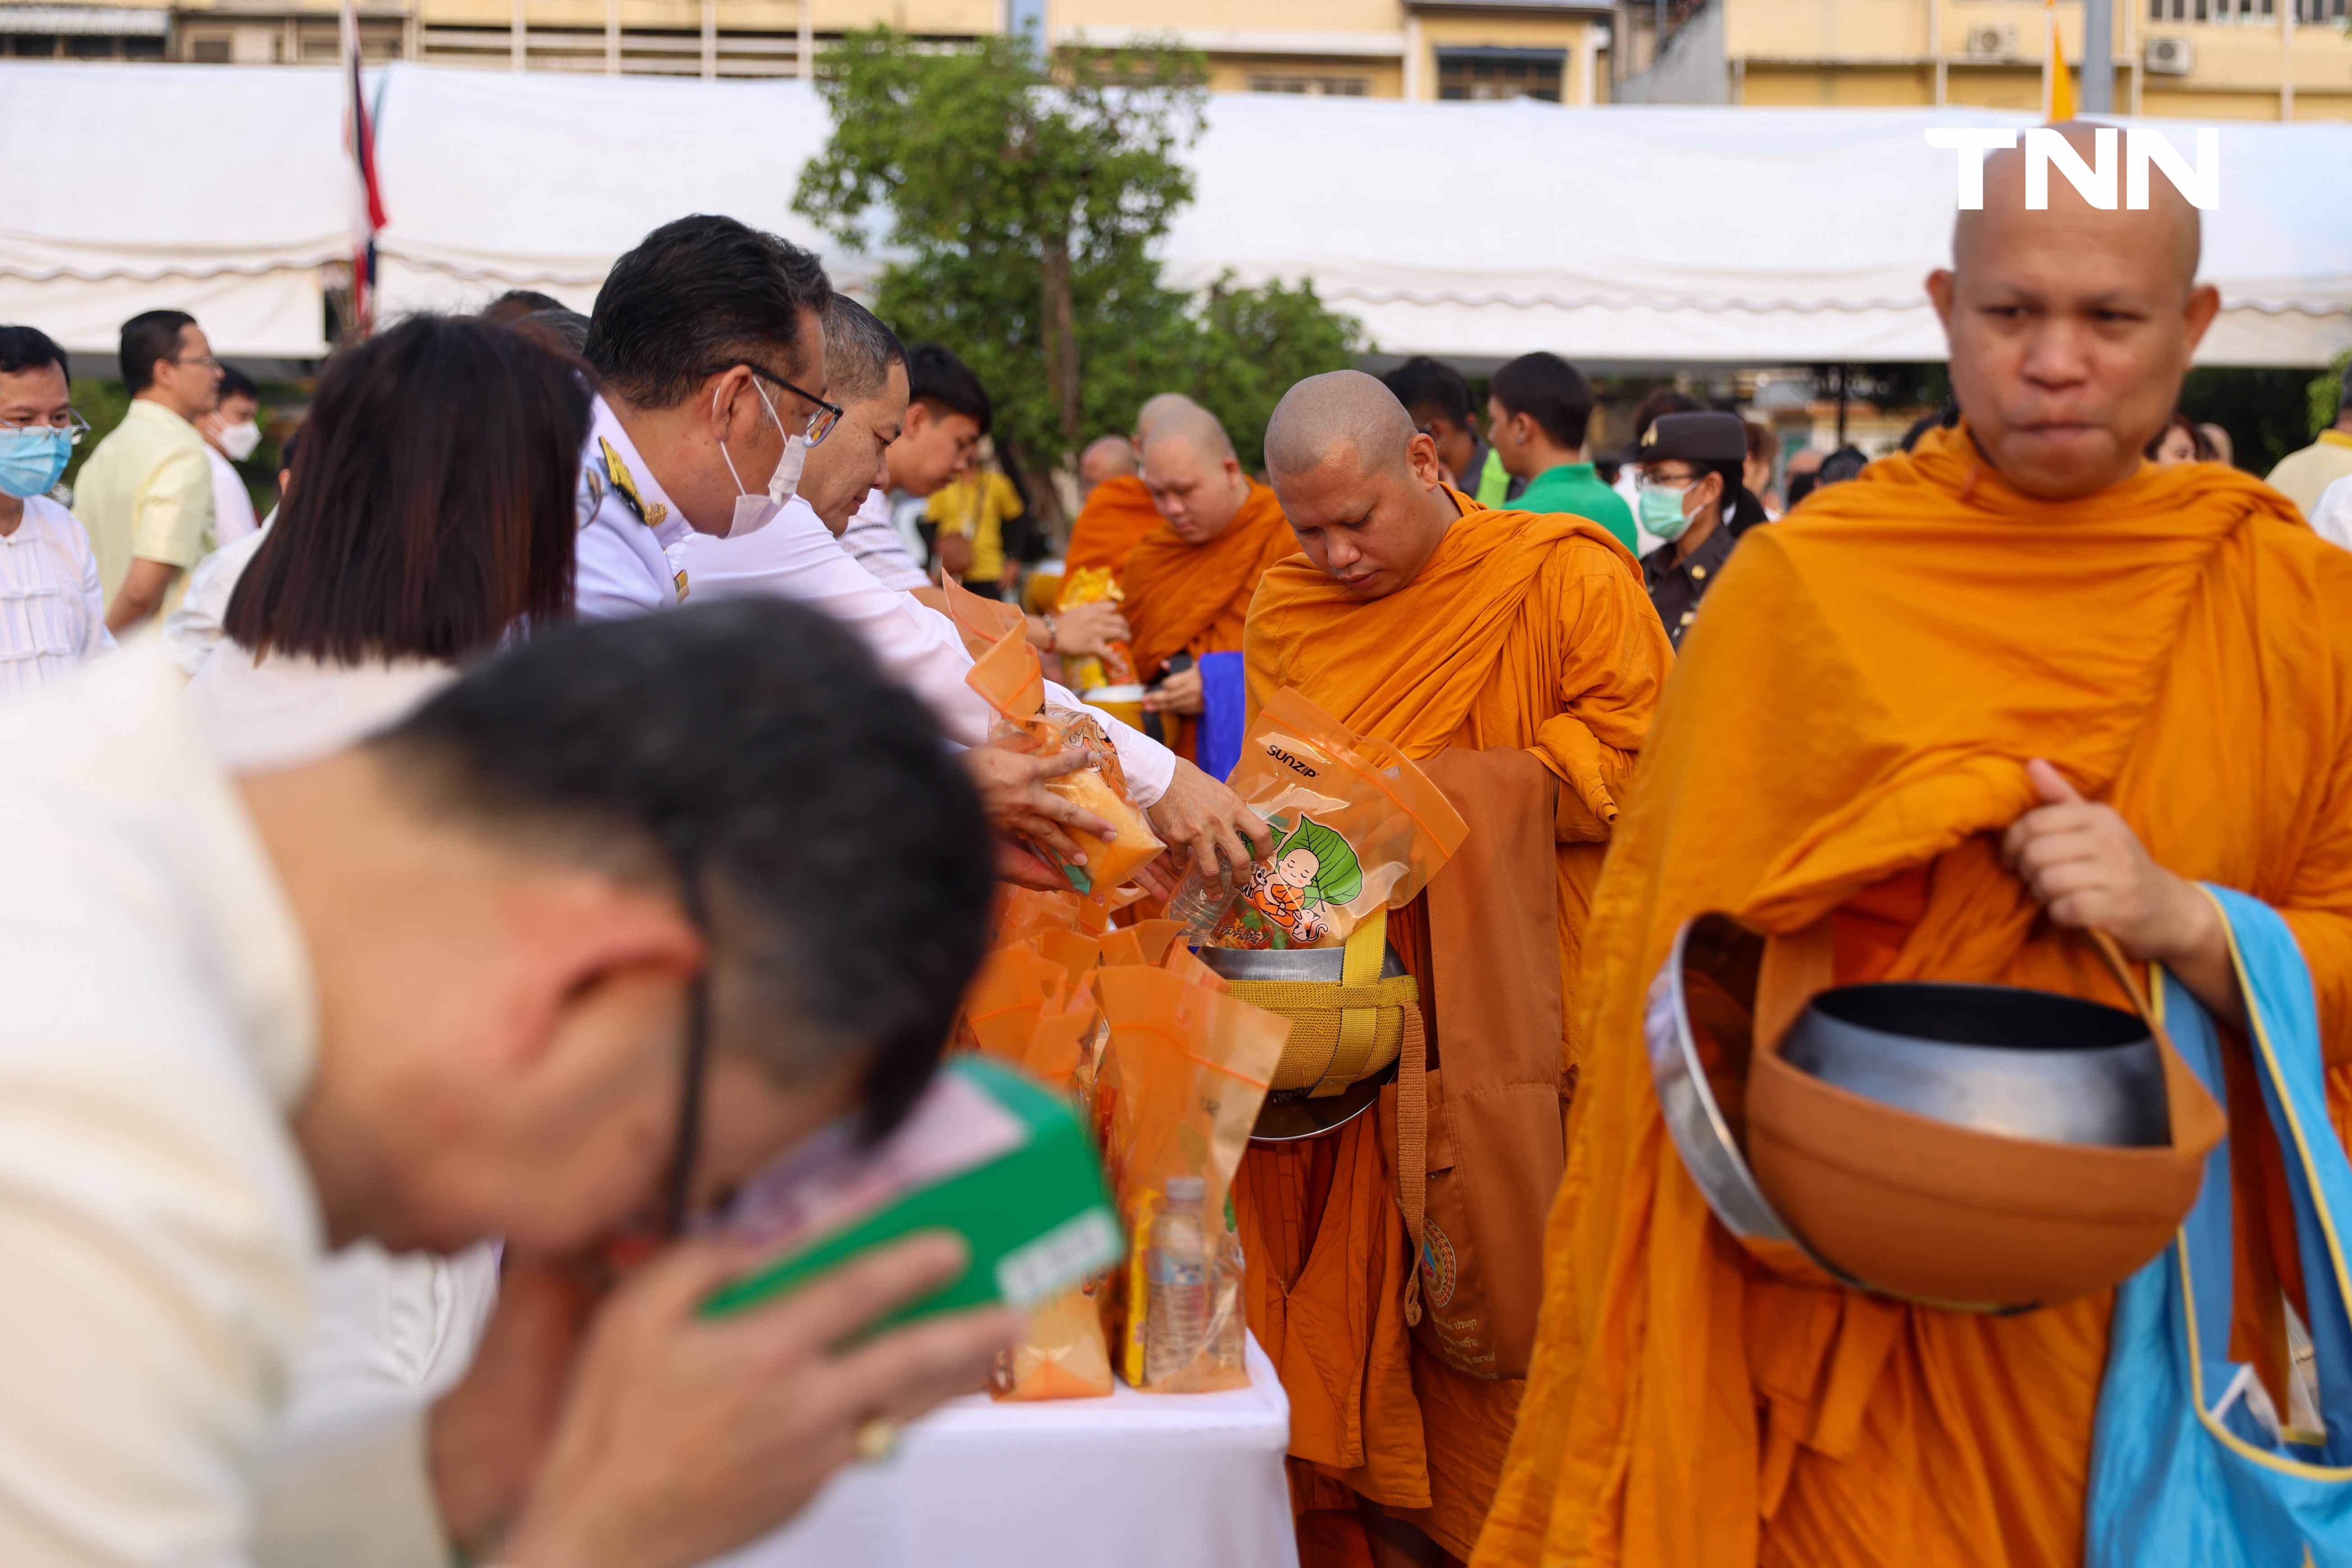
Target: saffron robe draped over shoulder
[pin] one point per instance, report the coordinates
(1195, 598)
(1521, 631)
(1846, 735)
(1117, 514)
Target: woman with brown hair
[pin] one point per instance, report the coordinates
(431, 512)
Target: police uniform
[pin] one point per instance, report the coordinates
(1701, 441)
(632, 548)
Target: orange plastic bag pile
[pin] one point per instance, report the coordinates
(1010, 678)
(1187, 1069)
(1357, 827)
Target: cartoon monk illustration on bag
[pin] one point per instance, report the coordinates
(1312, 869)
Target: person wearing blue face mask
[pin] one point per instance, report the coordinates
(47, 575)
(1691, 497)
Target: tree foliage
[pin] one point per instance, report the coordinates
(1022, 199)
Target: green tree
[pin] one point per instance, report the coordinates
(1024, 196)
(2327, 398)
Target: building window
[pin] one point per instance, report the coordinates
(1467, 76)
(1322, 85)
(2317, 11)
(2259, 12)
(208, 51)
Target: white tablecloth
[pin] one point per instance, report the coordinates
(1138, 1479)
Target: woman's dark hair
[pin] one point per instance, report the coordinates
(433, 505)
(2199, 443)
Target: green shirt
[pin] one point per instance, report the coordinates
(1575, 488)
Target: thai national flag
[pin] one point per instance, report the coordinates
(367, 203)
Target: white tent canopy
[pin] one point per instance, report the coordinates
(1723, 235)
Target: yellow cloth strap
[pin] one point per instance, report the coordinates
(1360, 966)
(1339, 1035)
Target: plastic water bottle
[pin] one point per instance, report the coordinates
(1182, 1284)
(1201, 903)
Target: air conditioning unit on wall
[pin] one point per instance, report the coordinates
(2170, 56)
(1993, 43)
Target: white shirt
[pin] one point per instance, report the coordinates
(160, 1229)
(873, 541)
(797, 557)
(2331, 518)
(345, 1479)
(632, 548)
(232, 516)
(52, 613)
(197, 627)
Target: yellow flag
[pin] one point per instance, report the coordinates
(2057, 87)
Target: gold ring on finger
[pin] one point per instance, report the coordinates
(876, 1440)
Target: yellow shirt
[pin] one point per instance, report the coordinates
(978, 505)
(146, 493)
(2302, 476)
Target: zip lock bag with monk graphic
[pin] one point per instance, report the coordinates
(1359, 827)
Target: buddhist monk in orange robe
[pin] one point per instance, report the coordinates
(1119, 512)
(1187, 586)
(2014, 683)
(1417, 618)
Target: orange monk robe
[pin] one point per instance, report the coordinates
(1117, 514)
(1851, 716)
(1522, 631)
(1195, 598)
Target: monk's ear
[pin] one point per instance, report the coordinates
(2204, 304)
(1421, 457)
(1939, 291)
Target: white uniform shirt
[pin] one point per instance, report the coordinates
(52, 614)
(2331, 518)
(873, 541)
(232, 516)
(161, 1231)
(632, 553)
(797, 557)
(197, 627)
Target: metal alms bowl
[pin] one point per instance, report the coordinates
(1294, 1114)
(1995, 1059)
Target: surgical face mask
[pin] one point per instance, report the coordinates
(754, 511)
(33, 459)
(1661, 510)
(240, 440)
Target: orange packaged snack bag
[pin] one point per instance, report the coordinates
(1358, 827)
(1088, 585)
(1192, 1066)
(1010, 678)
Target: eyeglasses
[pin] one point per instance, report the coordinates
(75, 427)
(1646, 481)
(821, 422)
(206, 360)
(694, 1068)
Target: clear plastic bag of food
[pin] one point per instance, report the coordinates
(1010, 678)
(1084, 672)
(1358, 827)
(1192, 1064)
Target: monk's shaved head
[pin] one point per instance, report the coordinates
(2070, 328)
(1341, 408)
(2169, 223)
(1153, 408)
(1361, 486)
(1189, 467)
(1104, 458)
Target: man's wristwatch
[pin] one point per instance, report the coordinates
(1053, 636)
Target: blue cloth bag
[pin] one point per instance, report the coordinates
(2182, 1471)
(1224, 701)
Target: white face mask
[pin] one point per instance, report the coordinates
(753, 512)
(240, 441)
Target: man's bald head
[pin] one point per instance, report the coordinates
(1341, 408)
(1104, 458)
(1195, 479)
(2070, 328)
(1154, 407)
(1361, 486)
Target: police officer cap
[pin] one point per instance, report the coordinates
(1695, 439)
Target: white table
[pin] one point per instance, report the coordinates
(1143, 1481)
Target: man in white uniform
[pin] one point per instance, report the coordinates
(707, 292)
(528, 966)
